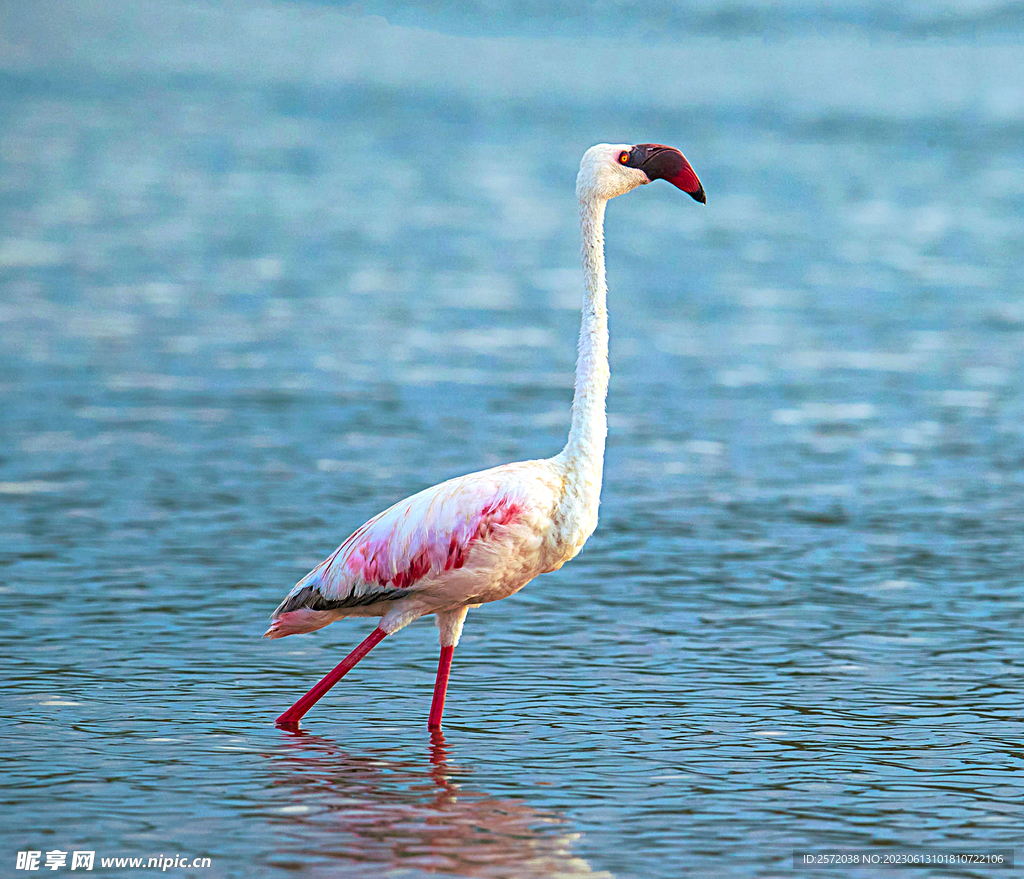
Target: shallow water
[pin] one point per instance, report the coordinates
(265, 270)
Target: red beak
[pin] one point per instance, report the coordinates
(660, 162)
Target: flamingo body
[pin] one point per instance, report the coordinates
(483, 537)
(467, 541)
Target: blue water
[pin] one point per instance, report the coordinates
(266, 268)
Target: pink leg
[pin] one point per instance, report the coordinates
(444, 667)
(292, 716)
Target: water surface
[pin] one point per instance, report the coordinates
(266, 269)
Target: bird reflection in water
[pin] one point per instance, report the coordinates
(374, 811)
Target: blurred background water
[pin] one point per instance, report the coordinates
(266, 268)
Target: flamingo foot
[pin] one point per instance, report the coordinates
(444, 667)
(290, 719)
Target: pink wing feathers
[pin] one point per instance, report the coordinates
(404, 548)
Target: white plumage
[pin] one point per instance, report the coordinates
(469, 540)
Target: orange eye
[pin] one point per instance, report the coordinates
(623, 157)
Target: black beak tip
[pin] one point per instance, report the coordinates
(699, 196)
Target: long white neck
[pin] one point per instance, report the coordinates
(584, 452)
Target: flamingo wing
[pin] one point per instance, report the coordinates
(406, 548)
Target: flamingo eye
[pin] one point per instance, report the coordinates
(623, 157)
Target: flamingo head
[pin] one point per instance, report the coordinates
(611, 169)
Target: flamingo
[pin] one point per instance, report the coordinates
(482, 537)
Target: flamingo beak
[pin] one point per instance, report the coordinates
(661, 162)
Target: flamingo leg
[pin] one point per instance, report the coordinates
(292, 716)
(444, 667)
